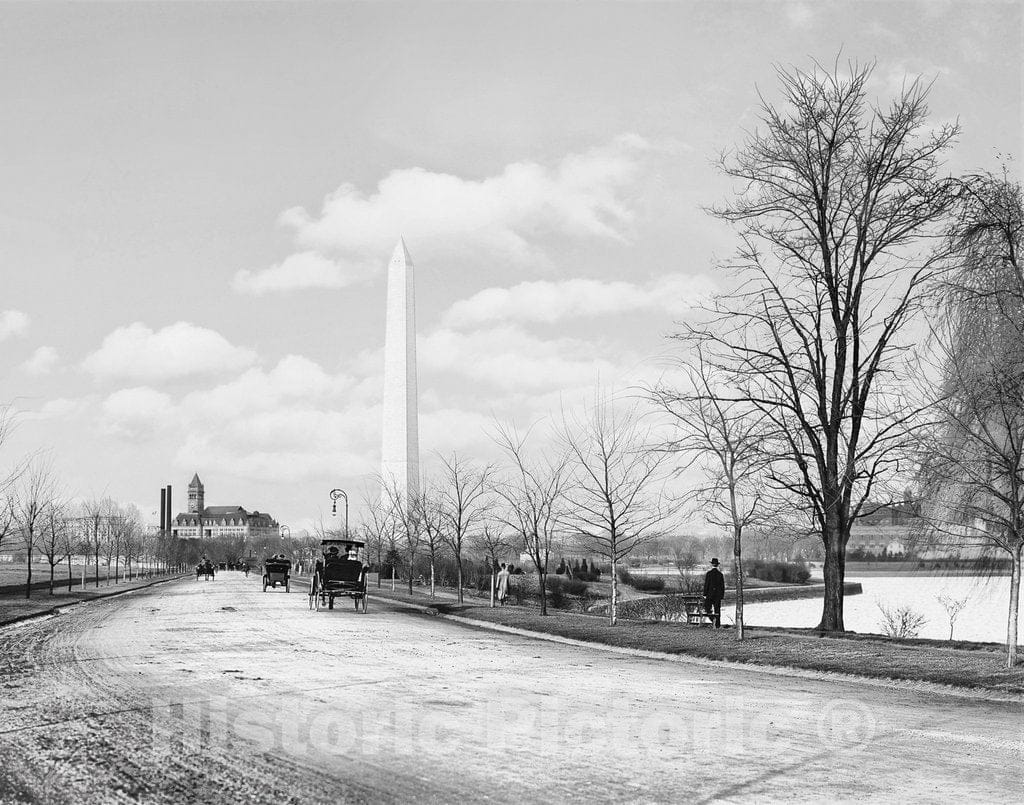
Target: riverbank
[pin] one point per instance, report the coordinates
(975, 666)
(922, 568)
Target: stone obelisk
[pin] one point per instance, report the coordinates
(400, 447)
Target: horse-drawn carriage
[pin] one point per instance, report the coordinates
(341, 572)
(277, 570)
(205, 569)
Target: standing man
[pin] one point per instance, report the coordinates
(714, 592)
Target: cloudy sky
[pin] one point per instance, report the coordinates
(197, 203)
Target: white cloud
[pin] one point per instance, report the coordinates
(41, 362)
(549, 302)
(13, 323)
(446, 216)
(62, 408)
(135, 413)
(178, 350)
(299, 271)
(800, 15)
(294, 381)
(509, 358)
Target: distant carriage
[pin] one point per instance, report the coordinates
(341, 572)
(277, 570)
(205, 569)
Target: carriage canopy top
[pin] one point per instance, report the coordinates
(347, 543)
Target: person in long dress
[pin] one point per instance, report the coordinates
(503, 577)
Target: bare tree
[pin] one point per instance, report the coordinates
(492, 540)
(953, 607)
(972, 463)
(8, 521)
(727, 438)
(431, 518)
(34, 494)
(406, 516)
(465, 496)
(615, 500)
(534, 496)
(838, 197)
(96, 514)
(377, 527)
(55, 539)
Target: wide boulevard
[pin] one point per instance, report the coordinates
(196, 691)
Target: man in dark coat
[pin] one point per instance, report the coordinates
(714, 592)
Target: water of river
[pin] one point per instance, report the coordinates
(983, 618)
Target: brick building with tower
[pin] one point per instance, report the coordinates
(220, 521)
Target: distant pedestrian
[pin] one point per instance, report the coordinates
(714, 592)
(503, 577)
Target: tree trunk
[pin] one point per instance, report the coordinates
(1011, 621)
(737, 569)
(70, 574)
(97, 566)
(458, 573)
(52, 565)
(542, 581)
(431, 577)
(117, 561)
(28, 579)
(613, 611)
(835, 574)
(392, 577)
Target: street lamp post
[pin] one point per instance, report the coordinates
(335, 494)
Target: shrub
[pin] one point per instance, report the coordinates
(567, 586)
(787, 572)
(901, 622)
(648, 584)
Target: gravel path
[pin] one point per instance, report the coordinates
(216, 692)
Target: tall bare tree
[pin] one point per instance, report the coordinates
(726, 438)
(406, 516)
(8, 521)
(34, 494)
(972, 466)
(838, 199)
(96, 514)
(615, 500)
(430, 516)
(465, 496)
(55, 537)
(533, 494)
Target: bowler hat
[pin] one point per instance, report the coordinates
(715, 561)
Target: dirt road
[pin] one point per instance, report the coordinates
(216, 692)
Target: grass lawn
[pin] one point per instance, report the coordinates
(971, 665)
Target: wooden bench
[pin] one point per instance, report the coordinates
(693, 605)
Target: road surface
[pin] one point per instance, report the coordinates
(215, 692)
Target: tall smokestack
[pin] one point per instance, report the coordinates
(163, 508)
(170, 508)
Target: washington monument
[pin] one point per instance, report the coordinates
(400, 447)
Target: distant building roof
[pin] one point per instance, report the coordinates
(212, 514)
